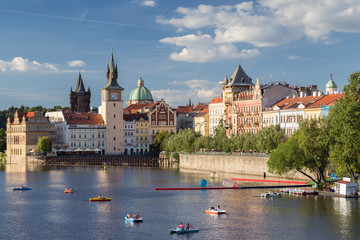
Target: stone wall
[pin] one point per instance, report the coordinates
(231, 163)
(13, 159)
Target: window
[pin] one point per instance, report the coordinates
(114, 127)
(114, 104)
(114, 116)
(114, 138)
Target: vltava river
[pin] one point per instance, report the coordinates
(46, 212)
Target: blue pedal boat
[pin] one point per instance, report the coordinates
(133, 219)
(21, 188)
(183, 231)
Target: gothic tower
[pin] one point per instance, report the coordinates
(80, 99)
(112, 110)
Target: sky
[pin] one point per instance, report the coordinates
(181, 48)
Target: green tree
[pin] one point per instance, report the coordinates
(44, 145)
(2, 140)
(159, 138)
(344, 122)
(306, 152)
(249, 142)
(269, 138)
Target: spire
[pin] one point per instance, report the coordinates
(226, 81)
(240, 78)
(140, 82)
(112, 74)
(79, 85)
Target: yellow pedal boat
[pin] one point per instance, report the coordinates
(99, 199)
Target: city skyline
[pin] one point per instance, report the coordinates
(182, 49)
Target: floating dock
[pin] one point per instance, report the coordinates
(298, 191)
(264, 180)
(221, 188)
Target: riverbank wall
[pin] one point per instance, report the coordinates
(250, 164)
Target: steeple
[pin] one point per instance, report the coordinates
(226, 81)
(112, 74)
(79, 85)
(240, 78)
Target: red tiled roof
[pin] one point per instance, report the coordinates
(134, 108)
(184, 109)
(217, 100)
(84, 118)
(327, 100)
(30, 114)
(200, 106)
(202, 113)
(291, 103)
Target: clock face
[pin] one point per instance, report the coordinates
(114, 96)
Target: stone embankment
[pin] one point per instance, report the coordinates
(250, 164)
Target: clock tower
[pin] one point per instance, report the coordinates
(112, 110)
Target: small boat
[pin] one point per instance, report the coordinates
(21, 188)
(133, 219)
(68, 191)
(99, 199)
(271, 195)
(183, 231)
(215, 211)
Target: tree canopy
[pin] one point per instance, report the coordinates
(306, 152)
(44, 145)
(344, 129)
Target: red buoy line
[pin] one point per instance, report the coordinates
(196, 188)
(263, 180)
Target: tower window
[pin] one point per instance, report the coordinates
(114, 127)
(114, 115)
(114, 138)
(114, 104)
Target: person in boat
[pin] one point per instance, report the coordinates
(137, 215)
(22, 186)
(130, 215)
(66, 189)
(218, 207)
(181, 226)
(100, 196)
(70, 189)
(212, 208)
(188, 226)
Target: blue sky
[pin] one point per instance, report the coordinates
(181, 48)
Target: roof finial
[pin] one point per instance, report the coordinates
(283, 78)
(331, 76)
(270, 78)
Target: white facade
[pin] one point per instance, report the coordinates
(58, 133)
(129, 136)
(216, 112)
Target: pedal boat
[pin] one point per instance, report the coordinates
(271, 195)
(97, 199)
(215, 211)
(133, 219)
(183, 231)
(68, 191)
(21, 188)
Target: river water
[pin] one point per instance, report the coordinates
(45, 212)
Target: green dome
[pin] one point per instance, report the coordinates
(141, 93)
(331, 84)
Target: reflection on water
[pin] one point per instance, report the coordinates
(132, 190)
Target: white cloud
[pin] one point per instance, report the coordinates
(259, 23)
(146, 3)
(76, 63)
(19, 64)
(202, 48)
(293, 57)
(198, 90)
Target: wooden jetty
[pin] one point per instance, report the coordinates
(109, 160)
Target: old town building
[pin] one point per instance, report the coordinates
(112, 110)
(80, 99)
(78, 131)
(23, 132)
(244, 101)
(129, 134)
(216, 113)
(201, 122)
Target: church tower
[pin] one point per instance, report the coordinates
(331, 87)
(80, 99)
(112, 110)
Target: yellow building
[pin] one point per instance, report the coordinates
(142, 133)
(23, 132)
(201, 122)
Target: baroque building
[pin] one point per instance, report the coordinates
(216, 112)
(140, 94)
(80, 99)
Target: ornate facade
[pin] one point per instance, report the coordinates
(23, 132)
